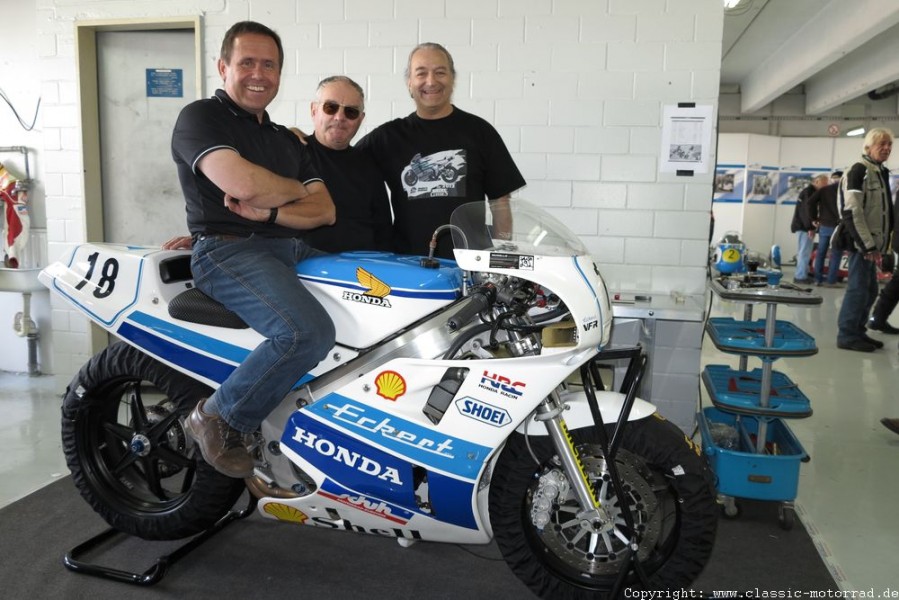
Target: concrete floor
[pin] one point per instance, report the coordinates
(847, 492)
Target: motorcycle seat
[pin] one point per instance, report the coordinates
(195, 306)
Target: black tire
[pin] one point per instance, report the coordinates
(672, 498)
(130, 458)
(410, 177)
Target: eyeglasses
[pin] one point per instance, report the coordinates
(350, 112)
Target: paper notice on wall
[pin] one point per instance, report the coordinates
(165, 83)
(686, 139)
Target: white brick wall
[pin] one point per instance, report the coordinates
(575, 87)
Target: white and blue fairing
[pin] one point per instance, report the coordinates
(127, 290)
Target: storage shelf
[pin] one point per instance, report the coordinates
(748, 337)
(740, 392)
(742, 471)
(750, 447)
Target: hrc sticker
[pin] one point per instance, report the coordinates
(494, 382)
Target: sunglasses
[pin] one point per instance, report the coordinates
(350, 112)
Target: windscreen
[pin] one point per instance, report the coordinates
(513, 226)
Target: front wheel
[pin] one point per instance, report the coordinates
(669, 490)
(449, 174)
(124, 442)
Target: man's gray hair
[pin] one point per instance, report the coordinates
(875, 135)
(340, 78)
(430, 46)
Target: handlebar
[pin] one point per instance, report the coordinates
(480, 299)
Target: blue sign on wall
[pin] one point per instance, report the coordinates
(165, 83)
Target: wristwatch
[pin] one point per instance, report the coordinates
(272, 215)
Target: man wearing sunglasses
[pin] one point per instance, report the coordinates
(251, 190)
(363, 209)
(438, 157)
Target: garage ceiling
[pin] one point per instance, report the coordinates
(833, 51)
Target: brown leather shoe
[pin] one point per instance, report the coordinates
(222, 446)
(891, 424)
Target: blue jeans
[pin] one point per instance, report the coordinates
(824, 235)
(803, 254)
(861, 291)
(256, 278)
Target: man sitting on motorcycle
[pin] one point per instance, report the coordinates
(251, 190)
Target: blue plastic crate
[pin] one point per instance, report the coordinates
(740, 391)
(743, 473)
(748, 337)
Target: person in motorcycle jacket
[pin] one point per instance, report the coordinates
(251, 189)
(866, 212)
(438, 157)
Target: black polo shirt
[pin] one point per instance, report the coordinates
(215, 123)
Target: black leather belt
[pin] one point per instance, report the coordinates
(199, 237)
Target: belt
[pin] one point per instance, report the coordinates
(199, 237)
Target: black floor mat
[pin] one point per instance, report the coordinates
(255, 557)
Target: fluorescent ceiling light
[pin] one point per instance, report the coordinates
(731, 3)
(855, 132)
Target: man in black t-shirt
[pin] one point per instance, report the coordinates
(438, 157)
(357, 187)
(251, 189)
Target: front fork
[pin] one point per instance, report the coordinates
(550, 412)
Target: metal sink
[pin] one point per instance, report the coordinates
(22, 281)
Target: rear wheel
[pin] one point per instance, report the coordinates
(130, 458)
(668, 487)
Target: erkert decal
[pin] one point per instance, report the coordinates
(420, 444)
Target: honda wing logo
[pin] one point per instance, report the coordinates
(376, 290)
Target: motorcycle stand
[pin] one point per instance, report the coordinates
(631, 383)
(155, 573)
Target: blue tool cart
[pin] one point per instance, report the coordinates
(749, 444)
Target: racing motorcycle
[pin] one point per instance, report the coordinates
(443, 166)
(463, 402)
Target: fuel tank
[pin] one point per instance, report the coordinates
(371, 295)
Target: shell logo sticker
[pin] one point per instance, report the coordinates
(283, 512)
(390, 385)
